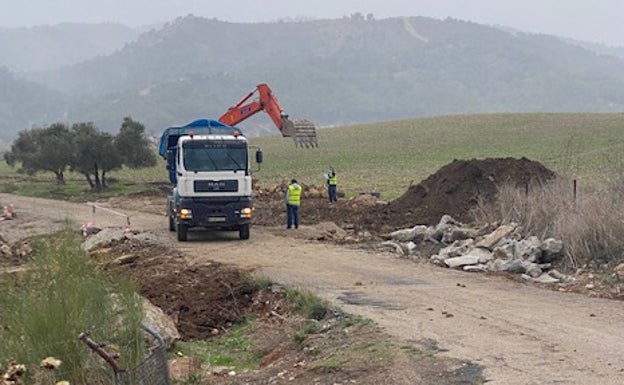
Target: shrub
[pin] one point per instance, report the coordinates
(62, 295)
(308, 304)
(589, 221)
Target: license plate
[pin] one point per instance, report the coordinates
(216, 219)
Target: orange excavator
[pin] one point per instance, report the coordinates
(302, 131)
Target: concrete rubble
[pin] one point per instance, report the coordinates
(490, 249)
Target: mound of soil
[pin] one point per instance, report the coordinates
(455, 189)
(188, 293)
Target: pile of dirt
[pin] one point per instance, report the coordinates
(187, 293)
(454, 189)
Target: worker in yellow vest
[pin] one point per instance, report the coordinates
(293, 201)
(332, 185)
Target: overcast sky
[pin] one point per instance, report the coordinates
(590, 20)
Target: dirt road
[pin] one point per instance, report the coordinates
(521, 334)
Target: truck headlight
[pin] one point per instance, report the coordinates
(246, 212)
(186, 214)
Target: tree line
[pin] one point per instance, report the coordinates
(81, 148)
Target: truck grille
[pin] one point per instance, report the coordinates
(215, 185)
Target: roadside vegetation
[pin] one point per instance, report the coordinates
(589, 221)
(44, 308)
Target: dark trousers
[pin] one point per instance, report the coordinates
(292, 216)
(331, 189)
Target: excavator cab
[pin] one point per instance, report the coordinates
(302, 131)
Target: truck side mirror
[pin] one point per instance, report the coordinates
(259, 156)
(170, 159)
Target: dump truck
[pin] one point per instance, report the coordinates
(210, 172)
(262, 98)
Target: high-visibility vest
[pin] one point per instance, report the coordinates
(333, 180)
(294, 195)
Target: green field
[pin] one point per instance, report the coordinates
(389, 156)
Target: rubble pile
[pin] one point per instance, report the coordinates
(14, 374)
(15, 253)
(491, 248)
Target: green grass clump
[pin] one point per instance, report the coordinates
(262, 283)
(61, 295)
(309, 327)
(307, 304)
(356, 321)
(234, 349)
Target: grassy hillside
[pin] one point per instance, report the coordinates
(389, 156)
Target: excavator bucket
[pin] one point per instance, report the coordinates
(302, 131)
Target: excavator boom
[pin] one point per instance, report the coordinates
(302, 131)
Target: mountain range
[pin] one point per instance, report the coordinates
(333, 72)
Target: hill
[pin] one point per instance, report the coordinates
(50, 47)
(336, 72)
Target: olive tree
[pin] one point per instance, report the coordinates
(133, 145)
(42, 149)
(95, 154)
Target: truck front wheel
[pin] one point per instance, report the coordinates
(182, 231)
(244, 231)
(171, 223)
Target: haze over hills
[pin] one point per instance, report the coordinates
(354, 69)
(48, 47)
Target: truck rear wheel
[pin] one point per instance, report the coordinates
(244, 231)
(182, 231)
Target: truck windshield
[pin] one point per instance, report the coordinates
(208, 155)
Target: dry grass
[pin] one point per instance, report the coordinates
(589, 221)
